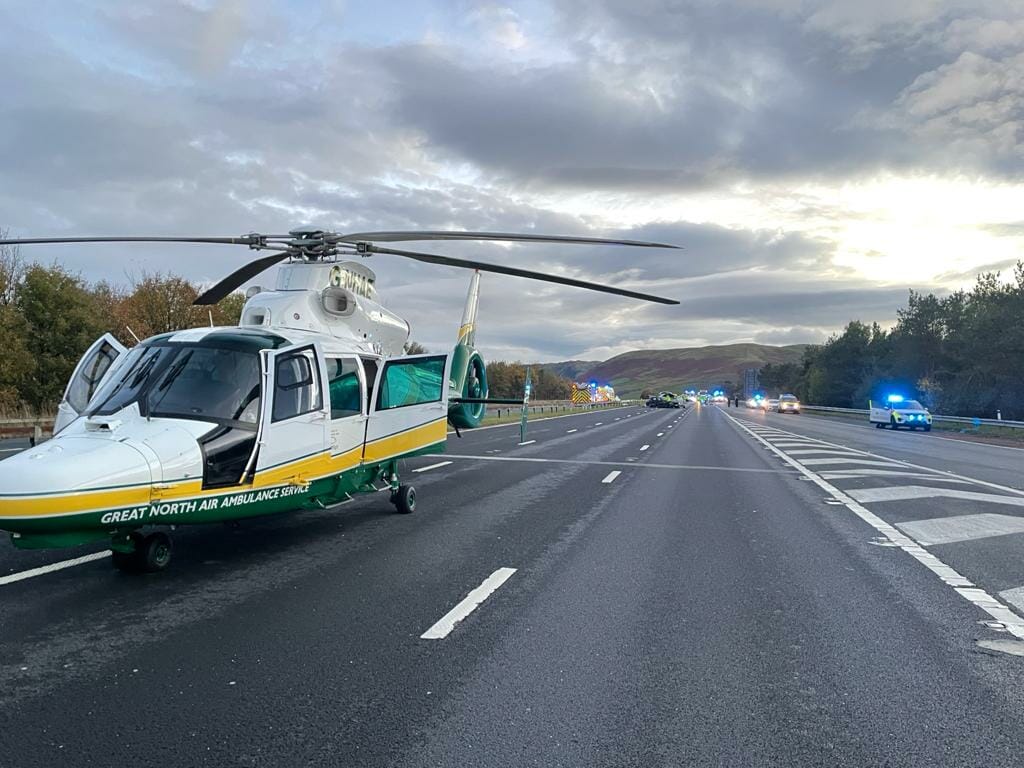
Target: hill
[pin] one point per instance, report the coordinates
(677, 369)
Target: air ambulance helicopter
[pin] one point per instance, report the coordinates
(307, 402)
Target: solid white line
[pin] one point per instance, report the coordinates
(570, 431)
(12, 450)
(610, 477)
(1014, 624)
(10, 579)
(469, 604)
(644, 447)
(433, 466)
(527, 442)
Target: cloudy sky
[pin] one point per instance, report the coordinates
(816, 158)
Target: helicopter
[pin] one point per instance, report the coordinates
(307, 402)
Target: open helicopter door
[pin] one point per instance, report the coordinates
(409, 413)
(96, 364)
(294, 422)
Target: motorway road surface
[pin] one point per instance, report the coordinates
(714, 587)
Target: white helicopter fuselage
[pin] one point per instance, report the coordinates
(306, 402)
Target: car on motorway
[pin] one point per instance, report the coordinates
(897, 411)
(788, 404)
(769, 404)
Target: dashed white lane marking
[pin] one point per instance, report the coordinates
(570, 431)
(669, 427)
(644, 447)
(433, 466)
(610, 477)
(851, 460)
(660, 434)
(906, 492)
(964, 587)
(11, 578)
(468, 604)
(527, 442)
(948, 530)
(599, 424)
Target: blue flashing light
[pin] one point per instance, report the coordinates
(895, 398)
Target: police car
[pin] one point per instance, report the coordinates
(898, 412)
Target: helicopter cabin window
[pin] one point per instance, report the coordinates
(411, 381)
(94, 369)
(344, 387)
(296, 386)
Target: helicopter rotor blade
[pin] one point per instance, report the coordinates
(244, 240)
(508, 237)
(516, 272)
(239, 277)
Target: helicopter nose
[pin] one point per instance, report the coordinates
(70, 474)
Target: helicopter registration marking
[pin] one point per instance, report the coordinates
(172, 508)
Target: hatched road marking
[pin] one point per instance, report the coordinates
(1013, 623)
(948, 530)
(905, 492)
(469, 603)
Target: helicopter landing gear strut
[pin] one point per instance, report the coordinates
(138, 553)
(402, 496)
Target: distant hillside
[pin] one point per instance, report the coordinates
(571, 369)
(677, 369)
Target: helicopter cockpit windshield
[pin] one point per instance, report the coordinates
(185, 381)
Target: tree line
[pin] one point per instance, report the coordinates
(960, 354)
(509, 379)
(49, 316)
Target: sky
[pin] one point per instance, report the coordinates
(816, 159)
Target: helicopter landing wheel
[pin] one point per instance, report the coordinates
(152, 554)
(404, 499)
(155, 553)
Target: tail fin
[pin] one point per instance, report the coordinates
(469, 372)
(467, 331)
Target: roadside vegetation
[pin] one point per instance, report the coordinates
(960, 355)
(49, 316)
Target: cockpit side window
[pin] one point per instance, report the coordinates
(296, 386)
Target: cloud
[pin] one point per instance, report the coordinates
(634, 118)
